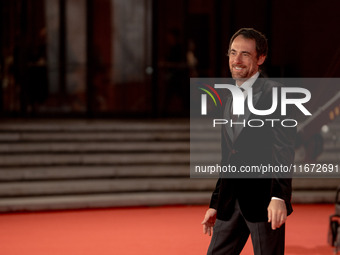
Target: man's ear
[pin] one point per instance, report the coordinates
(261, 60)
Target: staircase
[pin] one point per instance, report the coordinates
(73, 164)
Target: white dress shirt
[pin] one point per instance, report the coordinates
(246, 86)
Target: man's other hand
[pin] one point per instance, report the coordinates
(209, 221)
(277, 213)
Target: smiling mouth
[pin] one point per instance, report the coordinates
(238, 68)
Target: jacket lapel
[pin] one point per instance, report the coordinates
(228, 117)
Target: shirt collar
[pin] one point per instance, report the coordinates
(249, 83)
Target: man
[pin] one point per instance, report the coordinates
(257, 206)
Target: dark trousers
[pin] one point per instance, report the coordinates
(229, 237)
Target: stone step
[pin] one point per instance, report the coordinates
(58, 125)
(312, 197)
(56, 187)
(154, 158)
(39, 159)
(103, 201)
(120, 147)
(116, 136)
(134, 199)
(85, 172)
(89, 172)
(94, 147)
(48, 165)
(95, 135)
(315, 184)
(93, 186)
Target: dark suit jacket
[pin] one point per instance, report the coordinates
(255, 146)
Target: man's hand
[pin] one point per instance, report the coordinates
(277, 213)
(209, 221)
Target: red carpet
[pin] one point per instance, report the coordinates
(150, 230)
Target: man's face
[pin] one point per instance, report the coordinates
(243, 59)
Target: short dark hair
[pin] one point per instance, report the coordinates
(258, 37)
